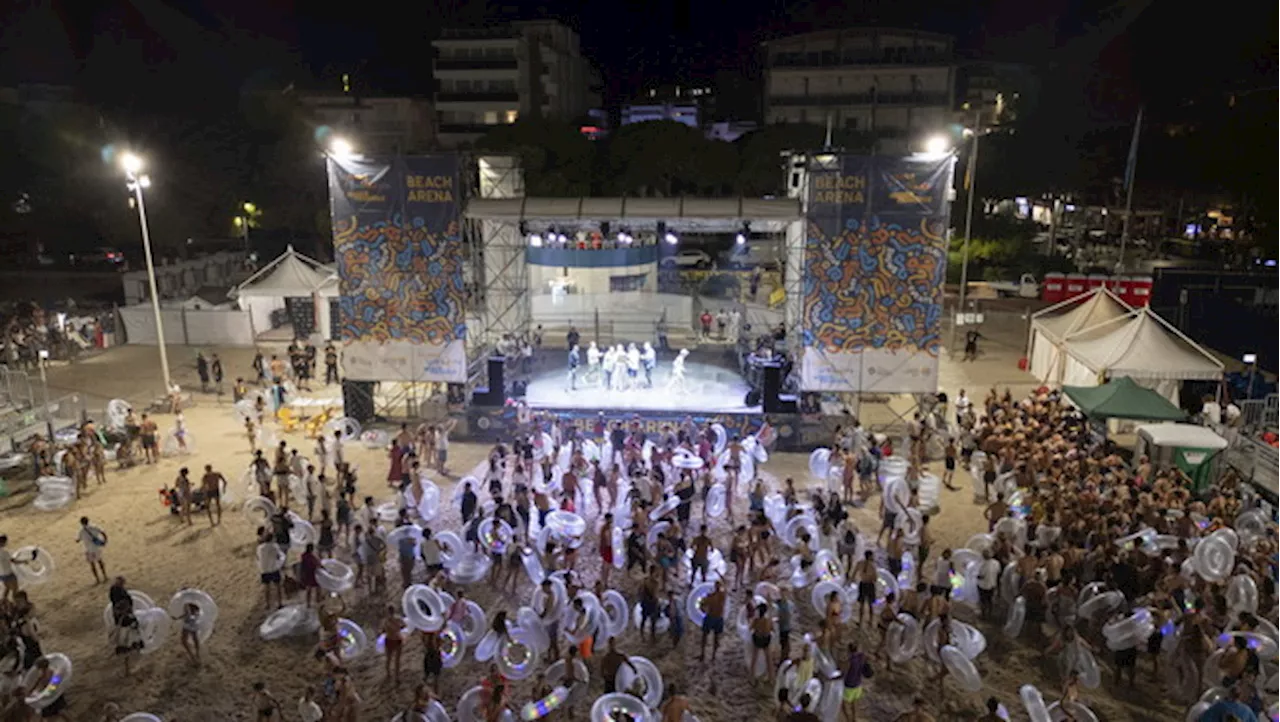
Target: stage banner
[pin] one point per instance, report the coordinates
(398, 242)
(875, 263)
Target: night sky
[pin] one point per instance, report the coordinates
(1104, 57)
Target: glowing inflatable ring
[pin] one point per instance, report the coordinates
(39, 566)
(422, 607)
(453, 645)
(335, 577)
(619, 707)
(645, 672)
(518, 655)
(538, 709)
(495, 535)
(353, 642)
(60, 666)
(259, 510)
(961, 669)
(208, 609)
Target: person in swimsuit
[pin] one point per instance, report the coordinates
(761, 640)
(190, 619)
(432, 663)
(866, 574)
(713, 623)
(212, 484)
(147, 434)
(393, 640)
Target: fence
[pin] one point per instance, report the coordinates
(188, 327)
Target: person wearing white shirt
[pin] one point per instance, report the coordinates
(7, 575)
(93, 539)
(270, 561)
(308, 710)
(442, 445)
(962, 406)
(988, 579)
(1212, 411)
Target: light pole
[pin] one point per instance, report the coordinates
(970, 175)
(132, 166)
(246, 220)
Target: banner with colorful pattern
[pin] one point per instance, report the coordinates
(874, 266)
(397, 239)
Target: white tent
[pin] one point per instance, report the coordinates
(292, 275)
(1142, 346)
(1051, 326)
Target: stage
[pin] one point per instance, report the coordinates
(708, 388)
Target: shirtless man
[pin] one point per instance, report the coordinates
(147, 433)
(211, 484)
(866, 574)
(713, 623)
(674, 709)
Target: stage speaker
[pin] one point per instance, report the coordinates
(519, 388)
(495, 393)
(774, 402)
(357, 400)
(752, 398)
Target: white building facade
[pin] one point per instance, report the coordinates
(491, 76)
(898, 85)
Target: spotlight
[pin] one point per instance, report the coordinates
(561, 239)
(622, 237)
(671, 238)
(937, 145)
(535, 240)
(740, 239)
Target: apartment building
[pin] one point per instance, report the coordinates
(375, 125)
(493, 75)
(896, 84)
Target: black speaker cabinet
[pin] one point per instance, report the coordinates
(774, 403)
(357, 400)
(495, 393)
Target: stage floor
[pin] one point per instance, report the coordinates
(707, 388)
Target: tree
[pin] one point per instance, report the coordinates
(556, 158)
(760, 170)
(657, 158)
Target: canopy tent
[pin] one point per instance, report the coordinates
(1122, 398)
(1141, 346)
(1193, 449)
(1051, 326)
(295, 282)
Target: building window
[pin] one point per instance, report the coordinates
(512, 115)
(627, 283)
(491, 117)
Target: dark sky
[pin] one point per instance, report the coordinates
(1112, 55)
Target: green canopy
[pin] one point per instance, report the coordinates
(1121, 398)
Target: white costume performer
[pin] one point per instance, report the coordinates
(648, 359)
(619, 367)
(593, 363)
(633, 367)
(677, 371)
(610, 358)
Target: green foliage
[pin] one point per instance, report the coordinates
(761, 170)
(557, 159)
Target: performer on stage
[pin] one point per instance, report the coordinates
(619, 368)
(648, 359)
(633, 367)
(677, 371)
(575, 360)
(610, 357)
(593, 365)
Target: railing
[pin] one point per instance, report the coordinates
(1259, 414)
(1255, 461)
(924, 98)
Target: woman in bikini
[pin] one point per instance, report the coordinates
(393, 640)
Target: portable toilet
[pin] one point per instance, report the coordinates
(1095, 280)
(1120, 286)
(1140, 291)
(1075, 285)
(1054, 288)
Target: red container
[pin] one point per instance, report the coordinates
(1054, 288)
(1075, 285)
(1140, 291)
(1120, 286)
(1095, 280)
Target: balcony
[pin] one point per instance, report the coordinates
(475, 64)
(465, 128)
(488, 33)
(883, 99)
(831, 59)
(483, 96)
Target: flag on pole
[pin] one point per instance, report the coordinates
(1131, 167)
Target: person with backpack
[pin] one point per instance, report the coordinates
(93, 540)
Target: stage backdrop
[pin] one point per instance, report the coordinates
(398, 243)
(875, 262)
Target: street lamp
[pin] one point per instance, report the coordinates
(970, 175)
(245, 221)
(136, 182)
(937, 145)
(341, 148)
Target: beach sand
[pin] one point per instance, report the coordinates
(159, 555)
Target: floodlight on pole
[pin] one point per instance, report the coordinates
(341, 148)
(132, 164)
(937, 145)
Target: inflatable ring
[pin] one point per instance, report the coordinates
(282, 622)
(37, 566)
(470, 707)
(52, 500)
(1228, 535)
(259, 510)
(518, 655)
(451, 547)
(495, 535)
(140, 602)
(559, 599)
(422, 607)
(980, 542)
(302, 532)
(435, 713)
(353, 642)
(117, 412)
(1100, 604)
(335, 577)
(594, 619)
(616, 613)
(529, 620)
(687, 461)
(903, 638)
(645, 673)
(1034, 702)
(693, 603)
(538, 709)
(651, 538)
(566, 524)
(349, 427)
(666, 507)
(170, 445)
(375, 439)
(1058, 711)
(1242, 594)
(208, 609)
(488, 646)
(60, 666)
(637, 618)
(822, 590)
(618, 544)
(961, 669)
(407, 530)
(1017, 617)
(532, 565)
(556, 676)
(1087, 667)
(791, 532)
(470, 569)
(1214, 558)
(153, 627)
(474, 623)
(1264, 646)
(140, 717)
(1137, 626)
(453, 645)
(715, 504)
(619, 707)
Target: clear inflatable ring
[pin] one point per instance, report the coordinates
(38, 566)
(60, 666)
(646, 676)
(335, 577)
(619, 707)
(423, 607)
(208, 609)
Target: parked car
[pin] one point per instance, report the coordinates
(1024, 287)
(687, 258)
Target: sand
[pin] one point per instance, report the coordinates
(158, 555)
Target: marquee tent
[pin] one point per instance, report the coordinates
(1051, 326)
(286, 282)
(1122, 398)
(1141, 346)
